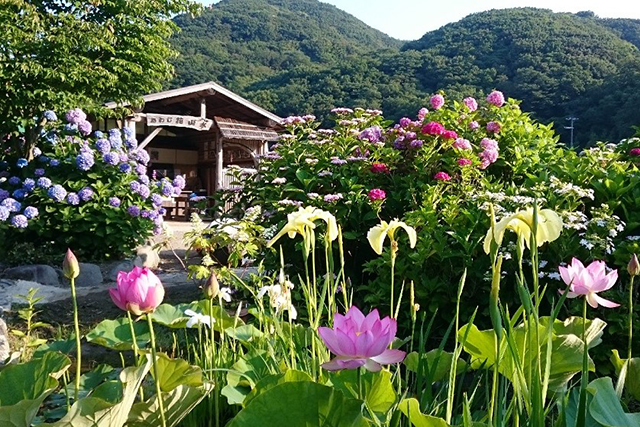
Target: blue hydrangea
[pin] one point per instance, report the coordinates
(70, 128)
(85, 194)
(22, 163)
(85, 161)
(156, 199)
(57, 193)
(20, 194)
(11, 204)
(14, 180)
(141, 156)
(131, 143)
(39, 172)
(19, 221)
(145, 213)
(114, 133)
(144, 179)
(144, 191)
(43, 182)
(166, 188)
(134, 186)
(162, 211)
(76, 116)
(43, 159)
(157, 230)
(36, 151)
(115, 138)
(114, 201)
(85, 128)
(128, 132)
(133, 211)
(111, 158)
(125, 168)
(103, 146)
(30, 212)
(4, 194)
(54, 162)
(73, 199)
(29, 184)
(179, 182)
(50, 116)
(141, 169)
(4, 213)
(52, 138)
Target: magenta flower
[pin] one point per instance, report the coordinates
(139, 291)
(449, 134)
(379, 168)
(464, 162)
(422, 113)
(437, 101)
(588, 281)
(442, 176)
(471, 103)
(493, 127)
(377, 194)
(357, 341)
(496, 98)
(634, 152)
(433, 128)
(474, 125)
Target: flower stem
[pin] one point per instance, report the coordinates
(135, 348)
(76, 326)
(393, 268)
(630, 318)
(155, 371)
(582, 408)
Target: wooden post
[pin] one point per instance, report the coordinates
(203, 108)
(219, 160)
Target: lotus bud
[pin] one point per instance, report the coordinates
(634, 266)
(212, 287)
(70, 266)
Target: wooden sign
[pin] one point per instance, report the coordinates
(192, 122)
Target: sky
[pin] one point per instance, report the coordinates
(410, 19)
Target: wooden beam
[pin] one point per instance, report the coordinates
(219, 160)
(148, 139)
(203, 108)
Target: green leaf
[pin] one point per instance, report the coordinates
(376, 388)
(435, 361)
(175, 372)
(116, 334)
(411, 409)
(301, 404)
(271, 381)
(244, 333)
(632, 381)
(93, 379)
(245, 373)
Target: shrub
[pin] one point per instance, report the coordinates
(88, 191)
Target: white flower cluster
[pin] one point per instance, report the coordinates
(567, 188)
(280, 295)
(574, 220)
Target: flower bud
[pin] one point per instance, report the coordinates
(212, 287)
(70, 266)
(634, 266)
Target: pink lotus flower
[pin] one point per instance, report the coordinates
(377, 194)
(139, 291)
(464, 162)
(496, 98)
(357, 341)
(433, 128)
(437, 101)
(588, 281)
(471, 103)
(442, 176)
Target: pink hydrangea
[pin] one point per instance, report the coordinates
(377, 194)
(404, 122)
(489, 144)
(471, 103)
(422, 113)
(437, 101)
(634, 152)
(493, 127)
(464, 162)
(442, 176)
(379, 168)
(433, 128)
(496, 98)
(474, 125)
(462, 144)
(449, 134)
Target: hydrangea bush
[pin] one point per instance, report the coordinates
(81, 189)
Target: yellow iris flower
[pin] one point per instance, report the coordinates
(303, 222)
(549, 228)
(377, 234)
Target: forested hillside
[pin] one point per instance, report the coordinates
(305, 56)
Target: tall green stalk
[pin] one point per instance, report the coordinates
(630, 319)
(155, 371)
(582, 407)
(76, 326)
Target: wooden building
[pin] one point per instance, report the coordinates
(200, 131)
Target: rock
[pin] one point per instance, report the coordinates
(10, 289)
(90, 275)
(121, 266)
(147, 257)
(5, 351)
(44, 274)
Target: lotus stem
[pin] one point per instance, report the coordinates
(76, 326)
(155, 371)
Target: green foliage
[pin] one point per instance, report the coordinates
(116, 334)
(294, 57)
(58, 55)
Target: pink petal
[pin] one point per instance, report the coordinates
(355, 315)
(372, 366)
(339, 321)
(597, 268)
(345, 343)
(338, 364)
(135, 293)
(330, 340)
(154, 298)
(390, 356)
(371, 319)
(363, 342)
(566, 275)
(577, 264)
(115, 296)
(611, 279)
(604, 302)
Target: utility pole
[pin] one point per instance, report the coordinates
(571, 119)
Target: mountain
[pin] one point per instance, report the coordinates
(305, 56)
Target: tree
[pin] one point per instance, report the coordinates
(62, 54)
